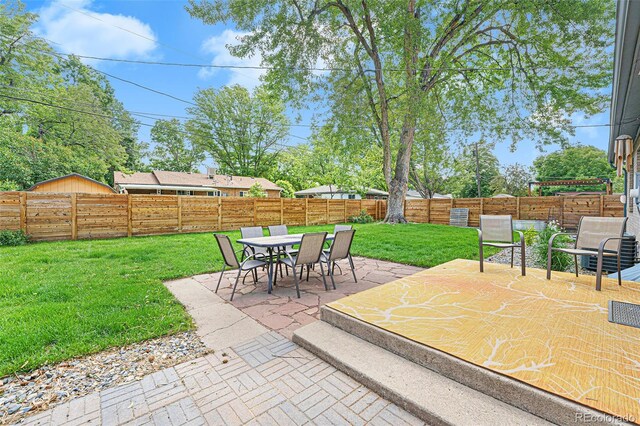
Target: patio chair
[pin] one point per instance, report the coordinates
(249, 264)
(277, 230)
(260, 252)
(338, 228)
(497, 231)
(597, 236)
(309, 254)
(340, 249)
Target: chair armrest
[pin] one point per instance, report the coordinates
(604, 243)
(250, 257)
(479, 235)
(553, 237)
(521, 234)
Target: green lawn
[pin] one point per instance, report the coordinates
(64, 299)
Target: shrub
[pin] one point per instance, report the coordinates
(559, 261)
(256, 191)
(13, 238)
(363, 217)
(530, 236)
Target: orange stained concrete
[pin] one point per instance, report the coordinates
(554, 335)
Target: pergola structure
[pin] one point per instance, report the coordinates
(572, 182)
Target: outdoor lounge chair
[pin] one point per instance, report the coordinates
(497, 231)
(308, 254)
(249, 264)
(597, 236)
(340, 249)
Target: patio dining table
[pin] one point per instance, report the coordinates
(272, 243)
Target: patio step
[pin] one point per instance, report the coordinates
(430, 396)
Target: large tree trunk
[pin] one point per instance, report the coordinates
(395, 203)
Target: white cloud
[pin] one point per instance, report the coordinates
(217, 46)
(79, 30)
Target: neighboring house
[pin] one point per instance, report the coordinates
(72, 183)
(180, 183)
(412, 194)
(335, 193)
(625, 103)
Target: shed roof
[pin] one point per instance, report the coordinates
(159, 177)
(68, 176)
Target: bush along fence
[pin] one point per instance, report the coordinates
(64, 216)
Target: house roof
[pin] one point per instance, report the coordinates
(78, 175)
(164, 178)
(332, 189)
(625, 103)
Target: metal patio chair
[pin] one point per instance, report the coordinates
(249, 264)
(597, 236)
(340, 249)
(497, 231)
(260, 252)
(308, 254)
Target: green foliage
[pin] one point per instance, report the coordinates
(559, 261)
(287, 188)
(257, 191)
(514, 181)
(58, 115)
(363, 217)
(530, 236)
(240, 130)
(13, 238)
(172, 151)
(469, 167)
(576, 162)
(8, 185)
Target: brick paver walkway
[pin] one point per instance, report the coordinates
(256, 375)
(266, 381)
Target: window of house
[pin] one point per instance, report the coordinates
(214, 193)
(243, 193)
(184, 192)
(159, 191)
(352, 196)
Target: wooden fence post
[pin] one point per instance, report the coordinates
(327, 212)
(255, 212)
(601, 205)
(428, 210)
(281, 211)
(518, 208)
(306, 212)
(129, 216)
(481, 205)
(74, 216)
(219, 213)
(179, 213)
(23, 212)
(344, 207)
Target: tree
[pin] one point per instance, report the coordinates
(475, 169)
(240, 130)
(257, 191)
(172, 151)
(431, 164)
(287, 189)
(577, 162)
(514, 181)
(506, 67)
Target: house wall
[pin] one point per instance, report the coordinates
(633, 224)
(73, 184)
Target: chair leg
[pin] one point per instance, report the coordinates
(599, 274)
(353, 269)
(512, 257)
(281, 275)
(221, 274)
(575, 262)
(549, 263)
(295, 278)
(235, 284)
(301, 270)
(324, 280)
(481, 253)
(523, 258)
(619, 274)
(308, 272)
(330, 272)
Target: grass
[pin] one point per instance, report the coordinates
(64, 299)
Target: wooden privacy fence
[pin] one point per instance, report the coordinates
(63, 216)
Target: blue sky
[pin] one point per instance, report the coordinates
(164, 31)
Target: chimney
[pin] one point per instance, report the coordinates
(211, 172)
